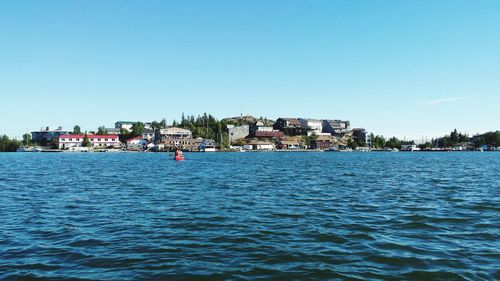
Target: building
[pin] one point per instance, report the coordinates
(289, 126)
(174, 137)
(289, 144)
(269, 134)
(66, 141)
(312, 126)
(207, 145)
(127, 125)
(360, 135)
(148, 134)
(237, 132)
(322, 142)
(45, 136)
(187, 144)
(172, 133)
(260, 145)
(113, 131)
(264, 129)
(409, 147)
(337, 128)
(137, 143)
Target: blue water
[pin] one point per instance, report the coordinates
(299, 216)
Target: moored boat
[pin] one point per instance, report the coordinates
(29, 149)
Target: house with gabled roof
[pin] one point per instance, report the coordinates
(289, 126)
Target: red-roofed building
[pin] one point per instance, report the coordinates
(137, 143)
(67, 141)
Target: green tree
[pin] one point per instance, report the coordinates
(101, 130)
(378, 141)
(426, 145)
(352, 144)
(27, 139)
(54, 143)
(86, 141)
(124, 135)
(454, 137)
(155, 125)
(393, 143)
(8, 145)
(4, 143)
(137, 129)
(306, 141)
(77, 130)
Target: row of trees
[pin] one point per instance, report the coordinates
(8, 145)
(101, 130)
(489, 138)
(380, 142)
(453, 139)
(457, 138)
(205, 126)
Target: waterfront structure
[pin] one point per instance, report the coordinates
(289, 144)
(185, 144)
(172, 133)
(207, 145)
(175, 137)
(260, 145)
(337, 128)
(322, 142)
(289, 126)
(66, 141)
(137, 143)
(45, 136)
(237, 132)
(409, 147)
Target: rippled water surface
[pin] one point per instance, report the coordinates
(302, 216)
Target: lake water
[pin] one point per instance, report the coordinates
(301, 216)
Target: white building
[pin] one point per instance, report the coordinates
(136, 143)
(127, 125)
(262, 145)
(312, 126)
(172, 133)
(67, 141)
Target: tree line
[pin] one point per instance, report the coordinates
(453, 139)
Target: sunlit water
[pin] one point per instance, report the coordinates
(302, 216)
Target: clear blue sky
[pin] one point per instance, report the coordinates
(404, 68)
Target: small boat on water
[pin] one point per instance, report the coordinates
(178, 156)
(29, 149)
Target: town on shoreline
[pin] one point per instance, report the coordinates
(243, 133)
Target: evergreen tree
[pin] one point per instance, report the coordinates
(101, 130)
(77, 130)
(27, 139)
(86, 141)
